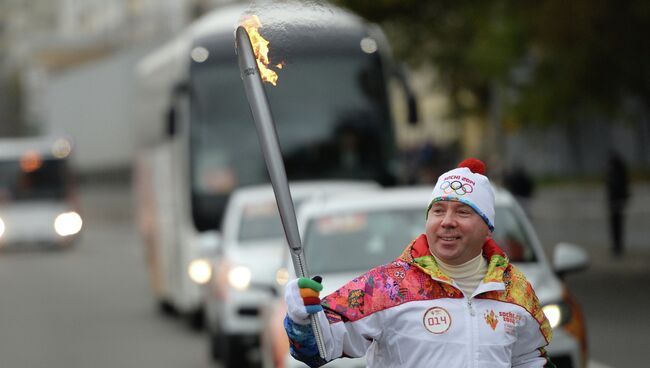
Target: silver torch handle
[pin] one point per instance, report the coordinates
(268, 137)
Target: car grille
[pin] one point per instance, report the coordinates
(248, 311)
(562, 361)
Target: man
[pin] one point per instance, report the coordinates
(618, 192)
(451, 299)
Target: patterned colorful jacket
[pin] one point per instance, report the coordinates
(408, 313)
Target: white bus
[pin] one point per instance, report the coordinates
(198, 140)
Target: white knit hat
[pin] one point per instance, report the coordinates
(467, 184)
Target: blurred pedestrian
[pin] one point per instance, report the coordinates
(452, 299)
(618, 192)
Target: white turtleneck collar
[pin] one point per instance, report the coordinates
(467, 275)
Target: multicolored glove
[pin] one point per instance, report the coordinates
(302, 298)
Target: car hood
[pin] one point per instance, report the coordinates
(263, 258)
(28, 210)
(31, 220)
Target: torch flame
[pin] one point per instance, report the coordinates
(261, 48)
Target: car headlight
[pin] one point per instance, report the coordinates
(2, 227)
(282, 276)
(557, 314)
(68, 223)
(239, 277)
(200, 271)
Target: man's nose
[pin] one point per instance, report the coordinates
(448, 220)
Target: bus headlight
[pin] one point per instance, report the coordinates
(557, 314)
(200, 271)
(239, 277)
(67, 223)
(2, 227)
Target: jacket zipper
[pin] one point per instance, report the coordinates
(473, 328)
(470, 307)
(472, 332)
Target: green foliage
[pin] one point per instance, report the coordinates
(558, 60)
(11, 120)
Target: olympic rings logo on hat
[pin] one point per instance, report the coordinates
(449, 187)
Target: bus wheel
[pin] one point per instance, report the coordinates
(166, 308)
(195, 320)
(214, 344)
(231, 351)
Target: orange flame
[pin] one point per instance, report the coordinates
(261, 48)
(491, 319)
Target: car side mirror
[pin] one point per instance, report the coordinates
(179, 92)
(171, 122)
(568, 258)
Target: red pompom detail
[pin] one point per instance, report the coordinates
(474, 165)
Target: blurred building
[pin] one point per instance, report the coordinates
(66, 65)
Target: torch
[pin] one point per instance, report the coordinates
(268, 137)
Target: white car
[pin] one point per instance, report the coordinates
(344, 237)
(248, 263)
(38, 201)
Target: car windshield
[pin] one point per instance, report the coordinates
(358, 241)
(33, 179)
(512, 236)
(260, 221)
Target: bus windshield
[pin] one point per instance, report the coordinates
(44, 181)
(331, 115)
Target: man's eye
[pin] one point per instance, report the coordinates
(438, 211)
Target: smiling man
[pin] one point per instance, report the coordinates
(452, 299)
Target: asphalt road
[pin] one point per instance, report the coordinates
(90, 306)
(613, 291)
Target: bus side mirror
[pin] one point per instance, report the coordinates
(401, 75)
(413, 109)
(180, 91)
(170, 123)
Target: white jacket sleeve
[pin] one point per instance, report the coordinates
(349, 338)
(529, 351)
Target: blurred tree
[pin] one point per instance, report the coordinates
(11, 123)
(555, 61)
